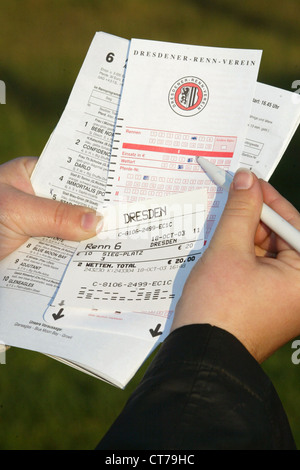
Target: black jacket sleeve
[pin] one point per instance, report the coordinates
(203, 390)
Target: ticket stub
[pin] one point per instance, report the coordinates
(141, 258)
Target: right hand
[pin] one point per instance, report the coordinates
(248, 280)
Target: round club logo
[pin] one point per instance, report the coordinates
(188, 96)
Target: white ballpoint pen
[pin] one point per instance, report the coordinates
(268, 216)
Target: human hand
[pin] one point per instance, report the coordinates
(22, 214)
(248, 280)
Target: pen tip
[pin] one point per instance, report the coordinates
(200, 161)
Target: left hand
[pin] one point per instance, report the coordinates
(24, 215)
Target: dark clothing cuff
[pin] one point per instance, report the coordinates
(203, 390)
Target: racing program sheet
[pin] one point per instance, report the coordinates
(74, 163)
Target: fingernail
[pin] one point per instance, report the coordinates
(243, 179)
(91, 222)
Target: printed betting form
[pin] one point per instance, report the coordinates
(159, 133)
(138, 115)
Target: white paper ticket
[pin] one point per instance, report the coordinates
(141, 258)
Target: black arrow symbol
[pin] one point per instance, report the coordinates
(156, 332)
(58, 315)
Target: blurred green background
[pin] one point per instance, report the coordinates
(44, 404)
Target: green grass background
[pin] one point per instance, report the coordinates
(44, 404)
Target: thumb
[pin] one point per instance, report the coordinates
(241, 216)
(36, 216)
